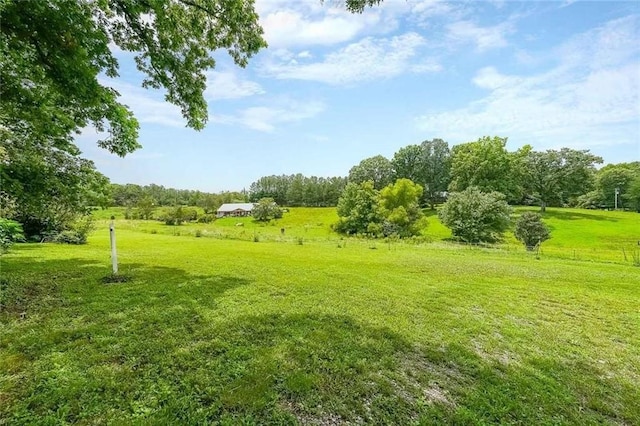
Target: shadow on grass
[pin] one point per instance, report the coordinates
(30, 284)
(573, 215)
(172, 364)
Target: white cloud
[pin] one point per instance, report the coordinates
(484, 38)
(295, 27)
(227, 85)
(591, 96)
(365, 60)
(267, 118)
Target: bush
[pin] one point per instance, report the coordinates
(174, 216)
(78, 233)
(70, 237)
(190, 214)
(10, 232)
(530, 230)
(207, 218)
(474, 216)
(266, 209)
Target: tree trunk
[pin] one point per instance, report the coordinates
(543, 206)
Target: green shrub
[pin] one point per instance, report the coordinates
(78, 233)
(475, 216)
(206, 218)
(190, 214)
(69, 237)
(530, 230)
(10, 232)
(174, 216)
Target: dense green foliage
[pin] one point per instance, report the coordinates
(559, 176)
(394, 211)
(298, 190)
(475, 216)
(428, 165)
(53, 52)
(377, 170)
(131, 195)
(10, 233)
(220, 331)
(266, 209)
(615, 180)
(487, 165)
(531, 230)
(401, 209)
(49, 187)
(359, 210)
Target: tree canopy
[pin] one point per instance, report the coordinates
(377, 169)
(557, 175)
(52, 53)
(487, 165)
(401, 209)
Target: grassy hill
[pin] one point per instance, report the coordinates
(224, 330)
(577, 234)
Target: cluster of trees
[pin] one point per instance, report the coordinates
(131, 195)
(298, 190)
(427, 164)
(47, 189)
(615, 181)
(392, 211)
(547, 178)
(475, 216)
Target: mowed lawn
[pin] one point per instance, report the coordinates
(320, 330)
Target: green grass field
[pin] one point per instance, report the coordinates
(224, 330)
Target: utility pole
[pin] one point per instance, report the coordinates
(616, 202)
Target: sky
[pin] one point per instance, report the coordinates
(334, 88)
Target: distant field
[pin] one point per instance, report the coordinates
(577, 234)
(225, 330)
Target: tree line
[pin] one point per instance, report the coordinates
(298, 190)
(562, 177)
(131, 195)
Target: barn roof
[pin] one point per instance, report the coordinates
(230, 207)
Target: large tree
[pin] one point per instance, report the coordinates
(436, 160)
(555, 176)
(407, 163)
(487, 165)
(401, 209)
(52, 52)
(376, 169)
(427, 164)
(359, 210)
(618, 178)
(50, 187)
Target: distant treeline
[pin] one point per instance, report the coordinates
(298, 190)
(131, 195)
(563, 177)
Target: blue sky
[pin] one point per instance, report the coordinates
(334, 88)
